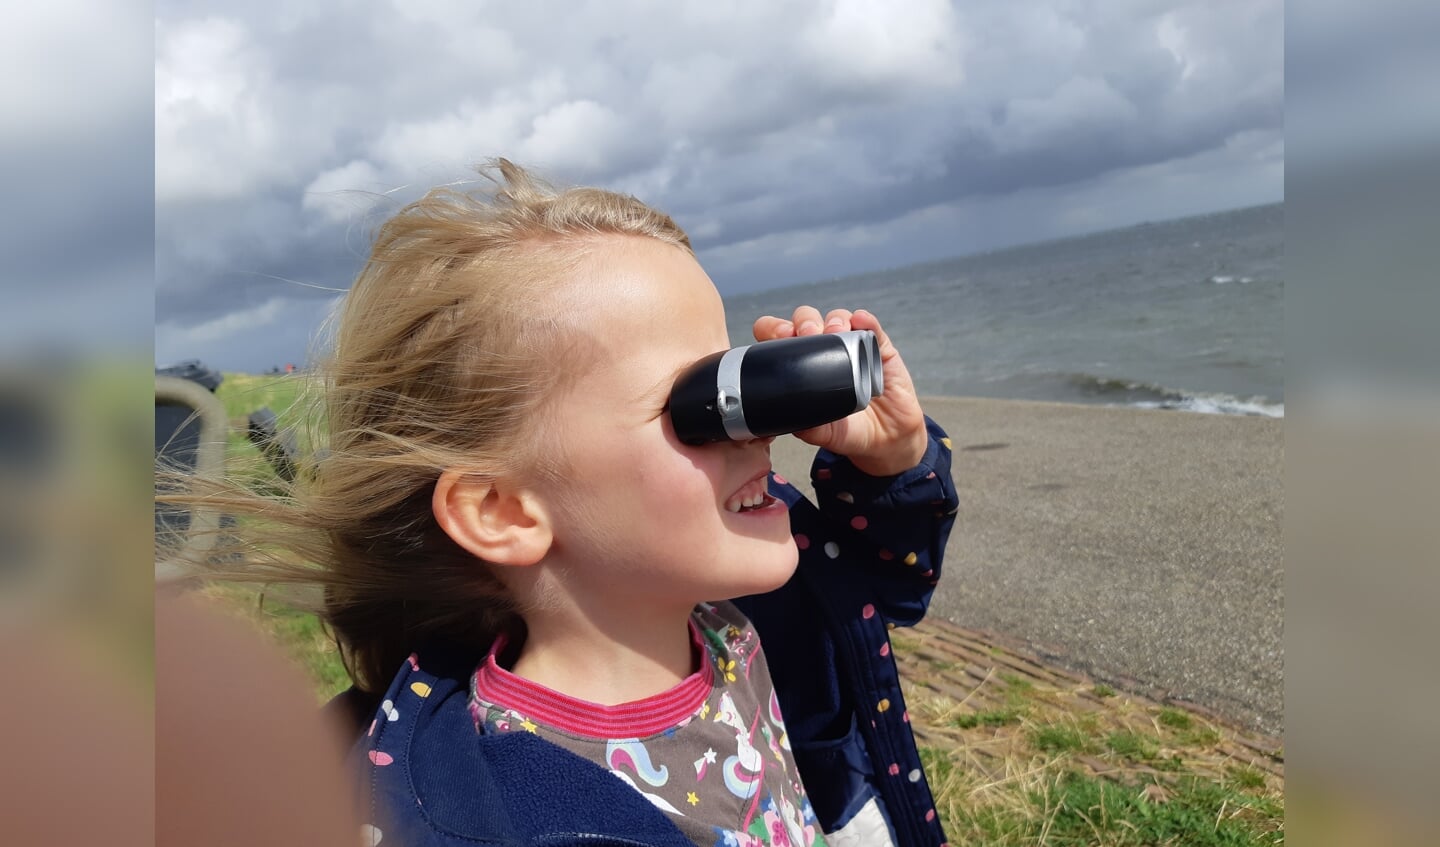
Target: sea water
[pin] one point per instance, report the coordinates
(1184, 314)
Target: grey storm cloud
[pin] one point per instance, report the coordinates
(785, 136)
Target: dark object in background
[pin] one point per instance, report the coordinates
(177, 427)
(278, 447)
(190, 426)
(195, 371)
(776, 387)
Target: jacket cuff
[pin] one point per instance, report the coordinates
(836, 478)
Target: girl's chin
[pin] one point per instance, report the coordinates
(771, 568)
(769, 524)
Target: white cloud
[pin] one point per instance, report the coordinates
(223, 125)
(580, 136)
(460, 136)
(339, 194)
(1171, 35)
(866, 41)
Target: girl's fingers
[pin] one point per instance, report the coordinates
(769, 328)
(807, 321)
(862, 319)
(819, 436)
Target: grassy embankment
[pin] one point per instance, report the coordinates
(300, 634)
(1016, 753)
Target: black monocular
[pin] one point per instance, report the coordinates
(776, 387)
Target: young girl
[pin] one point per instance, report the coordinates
(564, 625)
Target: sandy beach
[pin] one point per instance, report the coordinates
(1140, 547)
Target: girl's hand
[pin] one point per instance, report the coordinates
(888, 436)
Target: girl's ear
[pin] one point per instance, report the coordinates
(495, 519)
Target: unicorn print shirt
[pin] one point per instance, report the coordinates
(711, 753)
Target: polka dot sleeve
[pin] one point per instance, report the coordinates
(897, 525)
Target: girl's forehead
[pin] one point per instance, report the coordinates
(636, 313)
(651, 285)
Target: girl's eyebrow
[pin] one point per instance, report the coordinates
(664, 384)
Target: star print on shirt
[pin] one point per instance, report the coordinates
(527, 725)
(691, 798)
(702, 764)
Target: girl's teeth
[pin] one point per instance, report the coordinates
(747, 501)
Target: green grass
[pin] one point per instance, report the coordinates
(1049, 767)
(1245, 777)
(1059, 738)
(1133, 745)
(1053, 805)
(1084, 810)
(1144, 749)
(1103, 690)
(1202, 736)
(991, 717)
(1017, 685)
(285, 395)
(244, 393)
(1174, 719)
(1018, 693)
(1185, 731)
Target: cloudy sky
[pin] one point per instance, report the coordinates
(795, 140)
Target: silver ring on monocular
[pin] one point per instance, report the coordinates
(776, 387)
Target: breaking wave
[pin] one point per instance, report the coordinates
(1144, 395)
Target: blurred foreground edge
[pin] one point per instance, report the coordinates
(243, 756)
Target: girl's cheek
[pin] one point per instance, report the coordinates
(686, 485)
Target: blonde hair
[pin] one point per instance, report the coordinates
(439, 361)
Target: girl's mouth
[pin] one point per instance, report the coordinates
(752, 496)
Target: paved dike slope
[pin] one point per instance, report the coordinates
(1139, 547)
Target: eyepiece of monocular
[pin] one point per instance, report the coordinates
(776, 387)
